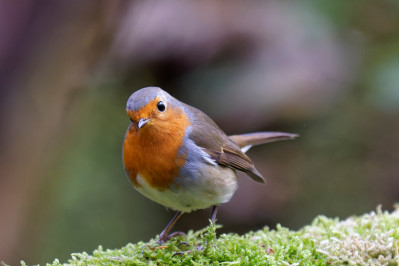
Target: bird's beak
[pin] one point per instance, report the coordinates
(143, 122)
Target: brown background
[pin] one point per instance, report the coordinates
(326, 70)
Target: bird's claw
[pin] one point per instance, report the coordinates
(164, 237)
(181, 253)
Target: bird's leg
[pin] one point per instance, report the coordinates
(214, 212)
(213, 219)
(164, 236)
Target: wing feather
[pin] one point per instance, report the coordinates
(207, 135)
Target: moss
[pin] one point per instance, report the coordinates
(370, 239)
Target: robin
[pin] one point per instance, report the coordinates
(177, 156)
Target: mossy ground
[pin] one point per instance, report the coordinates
(370, 239)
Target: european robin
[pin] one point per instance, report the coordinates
(177, 156)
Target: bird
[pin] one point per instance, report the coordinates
(177, 156)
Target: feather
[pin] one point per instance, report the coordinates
(246, 141)
(207, 135)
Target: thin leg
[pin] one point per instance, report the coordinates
(213, 219)
(164, 236)
(214, 212)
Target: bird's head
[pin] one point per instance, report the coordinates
(152, 107)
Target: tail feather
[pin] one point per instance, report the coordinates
(246, 141)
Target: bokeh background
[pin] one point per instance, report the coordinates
(327, 70)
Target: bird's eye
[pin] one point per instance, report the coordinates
(161, 106)
(131, 120)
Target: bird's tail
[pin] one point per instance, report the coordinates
(246, 141)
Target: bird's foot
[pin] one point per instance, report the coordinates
(181, 253)
(163, 237)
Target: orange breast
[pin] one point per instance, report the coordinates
(152, 151)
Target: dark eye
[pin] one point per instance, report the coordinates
(161, 106)
(131, 120)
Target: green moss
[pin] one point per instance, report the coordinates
(371, 239)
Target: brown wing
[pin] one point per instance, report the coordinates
(238, 160)
(206, 134)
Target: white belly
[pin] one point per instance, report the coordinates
(213, 185)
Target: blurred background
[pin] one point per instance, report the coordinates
(327, 70)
